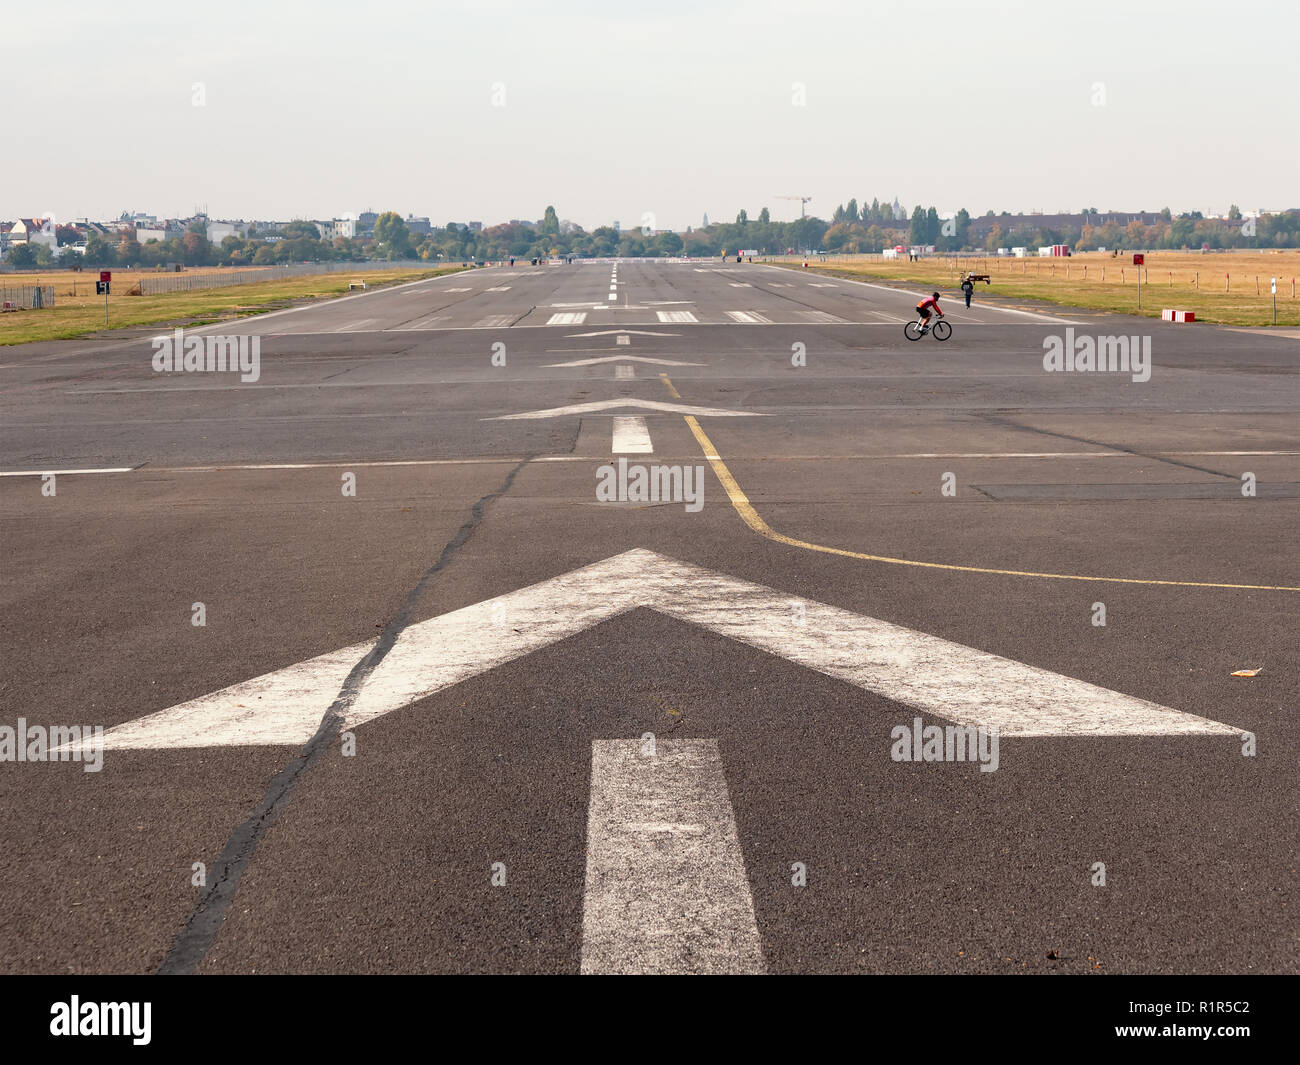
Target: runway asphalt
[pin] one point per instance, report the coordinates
(454, 708)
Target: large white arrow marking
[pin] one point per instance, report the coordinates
(645, 404)
(962, 684)
(632, 332)
(624, 358)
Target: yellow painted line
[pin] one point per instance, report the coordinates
(671, 391)
(751, 518)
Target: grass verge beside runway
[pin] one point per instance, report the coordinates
(80, 315)
(1221, 289)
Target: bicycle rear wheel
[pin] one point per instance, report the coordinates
(942, 330)
(912, 331)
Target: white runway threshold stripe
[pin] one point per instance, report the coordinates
(632, 437)
(666, 890)
(961, 684)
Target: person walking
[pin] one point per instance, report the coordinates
(967, 288)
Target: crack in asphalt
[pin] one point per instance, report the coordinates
(194, 941)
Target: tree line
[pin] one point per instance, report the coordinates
(852, 230)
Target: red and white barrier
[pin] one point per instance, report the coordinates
(1168, 315)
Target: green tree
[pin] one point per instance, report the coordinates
(742, 218)
(765, 216)
(22, 255)
(962, 237)
(392, 238)
(1182, 232)
(917, 231)
(667, 244)
(550, 223)
(99, 252)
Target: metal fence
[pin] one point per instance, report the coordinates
(153, 285)
(27, 297)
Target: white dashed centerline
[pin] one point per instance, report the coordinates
(666, 889)
(631, 436)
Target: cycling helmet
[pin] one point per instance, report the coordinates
(936, 295)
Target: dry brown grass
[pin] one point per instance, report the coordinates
(1230, 287)
(77, 315)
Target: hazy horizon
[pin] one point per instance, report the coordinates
(494, 109)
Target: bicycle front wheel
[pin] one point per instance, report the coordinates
(942, 330)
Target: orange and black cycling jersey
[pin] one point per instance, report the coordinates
(928, 302)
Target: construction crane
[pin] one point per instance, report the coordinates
(802, 200)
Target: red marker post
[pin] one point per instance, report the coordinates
(102, 285)
(1138, 260)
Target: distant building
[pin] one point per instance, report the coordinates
(474, 227)
(33, 231)
(366, 223)
(418, 224)
(337, 227)
(144, 235)
(219, 231)
(705, 224)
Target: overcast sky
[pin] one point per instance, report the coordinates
(614, 109)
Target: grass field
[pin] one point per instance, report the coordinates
(1230, 288)
(83, 313)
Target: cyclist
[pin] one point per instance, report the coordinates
(925, 308)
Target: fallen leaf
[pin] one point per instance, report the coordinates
(1245, 673)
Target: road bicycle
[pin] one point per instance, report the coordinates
(941, 330)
